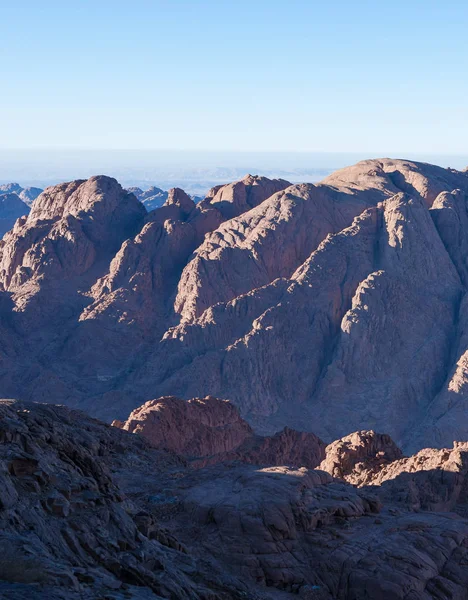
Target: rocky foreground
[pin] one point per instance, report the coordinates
(93, 511)
(329, 308)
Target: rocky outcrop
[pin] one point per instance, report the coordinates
(431, 479)
(359, 457)
(208, 431)
(66, 527)
(198, 428)
(90, 511)
(236, 198)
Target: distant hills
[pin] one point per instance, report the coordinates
(15, 202)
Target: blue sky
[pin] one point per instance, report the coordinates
(259, 75)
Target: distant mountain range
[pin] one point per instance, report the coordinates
(15, 202)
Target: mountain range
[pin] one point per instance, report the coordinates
(280, 373)
(15, 202)
(328, 308)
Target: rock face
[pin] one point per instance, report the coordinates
(329, 308)
(208, 430)
(90, 511)
(432, 479)
(358, 457)
(239, 197)
(197, 428)
(67, 528)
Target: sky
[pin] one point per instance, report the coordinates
(379, 78)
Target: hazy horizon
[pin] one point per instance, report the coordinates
(196, 172)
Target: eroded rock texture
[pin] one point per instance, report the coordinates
(359, 457)
(91, 511)
(329, 308)
(208, 431)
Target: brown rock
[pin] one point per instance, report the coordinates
(197, 428)
(115, 516)
(208, 431)
(432, 479)
(358, 457)
(236, 198)
(333, 307)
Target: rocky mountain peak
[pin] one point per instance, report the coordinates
(178, 197)
(10, 188)
(333, 307)
(235, 198)
(11, 204)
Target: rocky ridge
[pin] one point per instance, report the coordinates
(210, 431)
(27, 194)
(334, 307)
(151, 198)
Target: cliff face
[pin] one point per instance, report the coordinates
(329, 308)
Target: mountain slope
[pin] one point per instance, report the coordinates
(329, 308)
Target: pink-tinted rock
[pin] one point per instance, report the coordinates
(333, 307)
(358, 457)
(431, 479)
(88, 511)
(197, 428)
(209, 431)
(236, 198)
